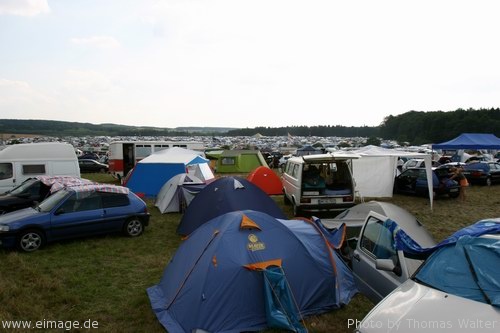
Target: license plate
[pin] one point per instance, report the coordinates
(454, 190)
(326, 201)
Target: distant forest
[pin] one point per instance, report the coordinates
(414, 127)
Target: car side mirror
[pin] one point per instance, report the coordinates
(385, 265)
(388, 265)
(59, 211)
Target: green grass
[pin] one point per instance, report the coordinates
(105, 278)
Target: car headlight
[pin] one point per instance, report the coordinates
(4, 228)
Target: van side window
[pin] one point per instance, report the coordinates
(34, 169)
(5, 170)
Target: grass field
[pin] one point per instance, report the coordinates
(104, 279)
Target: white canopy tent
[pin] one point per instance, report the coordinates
(375, 171)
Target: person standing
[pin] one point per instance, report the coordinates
(461, 179)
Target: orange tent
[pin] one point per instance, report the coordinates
(267, 180)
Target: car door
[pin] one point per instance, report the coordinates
(406, 181)
(80, 214)
(375, 247)
(116, 210)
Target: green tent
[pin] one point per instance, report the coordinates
(239, 161)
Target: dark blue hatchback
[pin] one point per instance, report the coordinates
(75, 212)
(414, 181)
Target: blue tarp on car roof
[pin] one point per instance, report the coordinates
(406, 244)
(469, 269)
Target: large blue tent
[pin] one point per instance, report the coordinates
(470, 141)
(152, 172)
(226, 194)
(219, 276)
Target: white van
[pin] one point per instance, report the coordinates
(321, 182)
(22, 161)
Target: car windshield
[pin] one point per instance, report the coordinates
(22, 189)
(48, 204)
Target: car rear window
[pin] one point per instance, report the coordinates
(114, 200)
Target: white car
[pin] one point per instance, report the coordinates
(455, 290)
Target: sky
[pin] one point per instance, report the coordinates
(235, 63)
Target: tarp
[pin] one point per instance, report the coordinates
(267, 180)
(463, 264)
(226, 194)
(150, 173)
(470, 141)
(57, 183)
(214, 281)
(405, 242)
(375, 171)
(468, 268)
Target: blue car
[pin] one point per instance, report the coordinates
(414, 181)
(76, 211)
(486, 173)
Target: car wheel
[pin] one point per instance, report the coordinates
(133, 227)
(488, 181)
(30, 240)
(102, 170)
(454, 195)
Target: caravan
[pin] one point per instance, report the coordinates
(124, 155)
(23, 161)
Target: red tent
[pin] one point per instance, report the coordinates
(267, 180)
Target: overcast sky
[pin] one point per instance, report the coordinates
(234, 63)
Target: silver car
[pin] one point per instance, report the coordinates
(457, 295)
(377, 266)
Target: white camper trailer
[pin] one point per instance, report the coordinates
(23, 161)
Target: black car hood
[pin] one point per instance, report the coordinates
(8, 200)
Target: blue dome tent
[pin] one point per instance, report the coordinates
(219, 276)
(226, 194)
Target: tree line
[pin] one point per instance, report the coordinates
(413, 127)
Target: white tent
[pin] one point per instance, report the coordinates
(375, 171)
(169, 197)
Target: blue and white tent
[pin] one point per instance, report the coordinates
(149, 174)
(247, 271)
